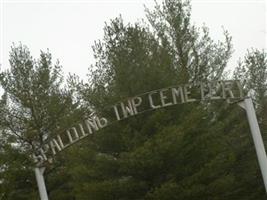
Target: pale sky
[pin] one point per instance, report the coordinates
(69, 28)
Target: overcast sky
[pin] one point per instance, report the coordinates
(69, 28)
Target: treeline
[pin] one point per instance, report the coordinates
(188, 151)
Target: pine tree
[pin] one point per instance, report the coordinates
(192, 151)
(200, 150)
(34, 108)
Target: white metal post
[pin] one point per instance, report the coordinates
(247, 104)
(39, 174)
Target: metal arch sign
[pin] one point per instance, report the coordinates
(219, 90)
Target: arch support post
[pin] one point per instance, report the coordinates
(39, 174)
(247, 104)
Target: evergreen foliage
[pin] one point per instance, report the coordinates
(34, 107)
(200, 150)
(196, 151)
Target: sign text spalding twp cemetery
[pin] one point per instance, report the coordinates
(219, 90)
